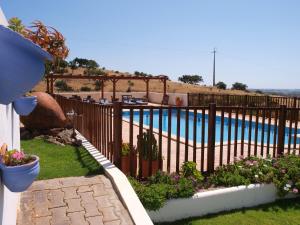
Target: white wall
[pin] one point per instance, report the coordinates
(215, 201)
(9, 134)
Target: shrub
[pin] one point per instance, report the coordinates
(125, 149)
(188, 169)
(62, 86)
(287, 174)
(184, 188)
(85, 88)
(162, 186)
(244, 172)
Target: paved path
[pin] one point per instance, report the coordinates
(72, 201)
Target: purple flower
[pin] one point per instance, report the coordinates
(295, 191)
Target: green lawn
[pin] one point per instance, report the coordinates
(61, 161)
(284, 212)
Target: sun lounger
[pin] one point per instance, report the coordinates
(141, 101)
(104, 101)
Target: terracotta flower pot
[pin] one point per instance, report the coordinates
(125, 164)
(145, 167)
(179, 102)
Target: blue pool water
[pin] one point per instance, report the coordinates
(146, 119)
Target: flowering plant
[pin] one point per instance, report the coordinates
(16, 158)
(284, 172)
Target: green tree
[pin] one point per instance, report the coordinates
(221, 85)
(191, 79)
(239, 86)
(92, 64)
(16, 25)
(61, 85)
(85, 63)
(72, 65)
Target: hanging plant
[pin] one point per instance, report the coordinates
(19, 170)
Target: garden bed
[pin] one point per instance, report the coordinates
(215, 201)
(245, 183)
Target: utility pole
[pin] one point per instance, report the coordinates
(214, 67)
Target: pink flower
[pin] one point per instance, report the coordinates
(18, 155)
(295, 191)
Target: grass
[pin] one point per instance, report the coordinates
(61, 161)
(283, 212)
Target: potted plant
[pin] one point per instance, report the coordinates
(125, 159)
(19, 170)
(25, 105)
(146, 149)
(178, 101)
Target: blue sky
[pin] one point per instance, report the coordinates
(258, 41)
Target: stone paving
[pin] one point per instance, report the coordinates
(72, 201)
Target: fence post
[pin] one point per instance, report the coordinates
(295, 102)
(211, 137)
(245, 100)
(117, 132)
(281, 130)
(227, 100)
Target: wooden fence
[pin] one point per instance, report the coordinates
(198, 99)
(208, 135)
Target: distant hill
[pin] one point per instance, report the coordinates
(284, 92)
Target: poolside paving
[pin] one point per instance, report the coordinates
(72, 201)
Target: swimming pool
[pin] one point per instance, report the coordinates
(261, 132)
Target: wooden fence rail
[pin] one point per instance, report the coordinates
(209, 135)
(199, 99)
